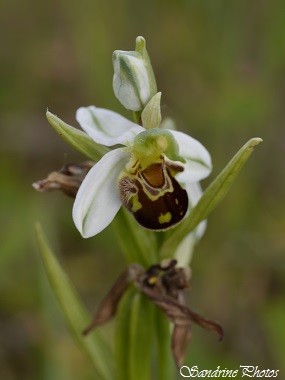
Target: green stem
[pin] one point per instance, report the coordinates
(134, 336)
(138, 117)
(137, 244)
(122, 335)
(166, 366)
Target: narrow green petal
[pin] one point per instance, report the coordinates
(212, 196)
(75, 314)
(79, 140)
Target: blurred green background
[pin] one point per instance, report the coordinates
(220, 66)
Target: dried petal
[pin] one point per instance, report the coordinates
(180, 337)
(163, 284)
(108, 307)
(67, 179)
(182, 317)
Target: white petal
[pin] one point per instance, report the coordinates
(194, 193)
(107, 127)
(198, 160)
(97, 200)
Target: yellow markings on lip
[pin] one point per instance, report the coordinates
(165, 218)
(136, 204)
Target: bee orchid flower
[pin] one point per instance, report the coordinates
(154, 173)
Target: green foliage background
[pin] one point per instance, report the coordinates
(220, 66)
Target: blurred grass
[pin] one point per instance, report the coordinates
(220, 66)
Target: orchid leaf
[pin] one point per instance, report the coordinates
(212, 196)
(77, 139)
(75, 314)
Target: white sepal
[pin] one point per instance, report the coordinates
(107, 127)
(198, 160)
(97, 200)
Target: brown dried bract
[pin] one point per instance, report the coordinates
(164, 285)
(68, 179)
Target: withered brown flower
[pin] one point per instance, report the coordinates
(164, 285)
(67, 179)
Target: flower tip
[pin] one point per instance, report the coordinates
(48, 113)
(140, 39)
(116, 55)
(140, 44)
(51, 117)
(255, 141)
(85, 236)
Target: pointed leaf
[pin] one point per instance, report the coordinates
(211, 197)
(79, 140)
(75, 314)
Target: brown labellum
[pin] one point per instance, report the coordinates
(154, 197)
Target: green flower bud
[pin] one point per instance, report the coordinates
(133, 82)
